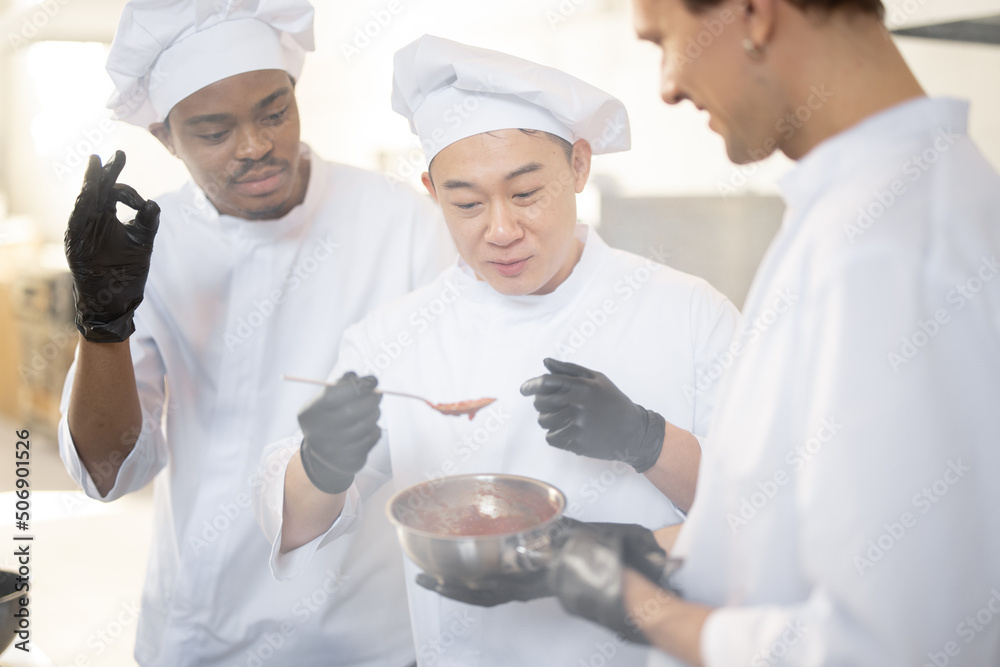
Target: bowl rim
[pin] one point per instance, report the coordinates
(13, 595)
(399, 525)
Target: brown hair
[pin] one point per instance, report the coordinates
(874, 7)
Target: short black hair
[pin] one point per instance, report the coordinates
(565, 145)
(567, 148)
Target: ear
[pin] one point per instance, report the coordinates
(580, 162)
(162, 133)
(758, 20)
(425, 178)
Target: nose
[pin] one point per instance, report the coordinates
(502, 227)
(669, 90)
(254, 143)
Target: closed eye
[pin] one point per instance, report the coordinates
(276, 118)
(526, 195)
(467, 207)
(214, 137)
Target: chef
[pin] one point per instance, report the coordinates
(846, 508)
(613, 427)
(258, 265)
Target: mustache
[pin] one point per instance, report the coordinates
(247, 166)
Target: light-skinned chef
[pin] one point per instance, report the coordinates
(258, 265)
(846, 503)
(609, 424)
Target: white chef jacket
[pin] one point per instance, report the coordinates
(652, 330)
(229, 306)
(846, 507)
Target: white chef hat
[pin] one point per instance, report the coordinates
(449, 91)
(164, 50)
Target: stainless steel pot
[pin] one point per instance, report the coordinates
(468, 528)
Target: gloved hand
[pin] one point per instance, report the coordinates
(585, 413)
(586, 576)
(109, 261)
(339, 429)
(501, 590)
(639, 550)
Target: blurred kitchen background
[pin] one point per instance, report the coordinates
(674, 196)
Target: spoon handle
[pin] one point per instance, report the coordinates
(322, 383)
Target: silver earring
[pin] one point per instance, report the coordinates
(752, 49)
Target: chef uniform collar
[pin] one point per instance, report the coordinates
(838, 158)
(165, 50)
(449, 91)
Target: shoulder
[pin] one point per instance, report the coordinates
(665, 282)
(400, 314)
(918, 228)
(368, 184)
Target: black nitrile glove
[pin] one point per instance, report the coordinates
(585, 413)
(501, 590)
(339, 428)
(586, 576)
(639, 547)
(109, 261)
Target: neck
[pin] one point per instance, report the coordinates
(845, 68)
(576, 252)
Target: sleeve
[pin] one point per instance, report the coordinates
(268, 481)
(433, 249)
(149, 455)
(893, 526)
(714, 323)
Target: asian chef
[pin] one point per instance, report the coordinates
(509, 145)
(259, 264)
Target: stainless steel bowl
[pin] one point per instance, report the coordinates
(468, 528)
(9, 596)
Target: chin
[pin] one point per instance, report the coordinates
(512, 287)
(266, 209)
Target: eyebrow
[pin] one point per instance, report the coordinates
(223, 117)
(455, 184)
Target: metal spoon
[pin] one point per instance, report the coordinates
(453, 409)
